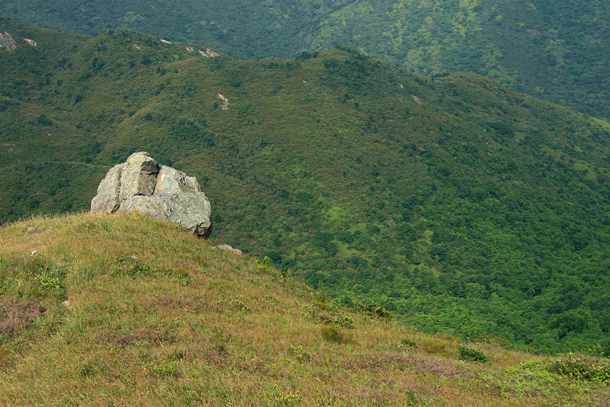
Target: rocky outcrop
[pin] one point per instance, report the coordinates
(227, 248)
(142, 185)
(6, 41)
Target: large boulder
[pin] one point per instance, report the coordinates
(142, 185)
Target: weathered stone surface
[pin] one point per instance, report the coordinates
(187, 210)
(6, 41)
(172, 181)
(228, 248)
(107, 198)
(139, 176)
(161, 192)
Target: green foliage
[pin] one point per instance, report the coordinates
(169, 369)
(300, 354)
(32, 278)
(234, 304)
(264, 264)
(580, 367)
(336, 335)
(552, 51)
(328, 313)
(472, 355)
(409, 343)
(87, 369)
(130, 266)
(371, 308)
(433, 345)
(44, 120)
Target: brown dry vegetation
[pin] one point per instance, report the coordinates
(124, 310)
(16, 314)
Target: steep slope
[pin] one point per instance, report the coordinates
(546, 48)
(121, 310)
(454, 202)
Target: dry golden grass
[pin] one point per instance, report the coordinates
(139, 313)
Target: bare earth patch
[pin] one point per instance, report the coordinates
(17, 314)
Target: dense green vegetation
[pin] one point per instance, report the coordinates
(552, 49)
(453, 202)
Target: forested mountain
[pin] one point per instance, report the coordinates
(552, 49)
(454, 202)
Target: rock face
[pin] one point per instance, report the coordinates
(161, 192)
(229, 249)
(6, 41)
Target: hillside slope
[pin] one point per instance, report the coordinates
(454, 202)
(546, 48)
(123, 310)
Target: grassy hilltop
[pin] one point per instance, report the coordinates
(453, 202)
(124, 310)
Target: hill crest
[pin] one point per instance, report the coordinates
(135, 309)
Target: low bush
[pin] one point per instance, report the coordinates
(472, 355)
(371, 308)
(431, 345)
(333, 334)
(130, 266)
(409, 343)
(300, 354)
(446, 337)
(580, 368)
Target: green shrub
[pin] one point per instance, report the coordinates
(343, 321)
(580, 368)
(44, 120)
(472, 355)
(130, 266)
(446, 337)
(409, 343)
(432, 345)
(371, 309)
(234, 304)
(263, 265)
(300, 354)
(333, 334)
(321, 305)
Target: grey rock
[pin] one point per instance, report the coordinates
(138, 176)
(6, 41)
(161, 192)
(107, 198)
(229, 249)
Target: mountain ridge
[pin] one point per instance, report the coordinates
(544, 48)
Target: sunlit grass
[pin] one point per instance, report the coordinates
(141, 313)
